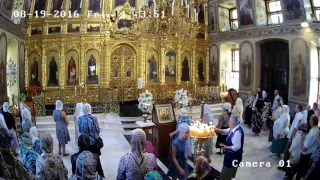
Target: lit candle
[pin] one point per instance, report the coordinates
(172, 9)
(181, 3)
(188, 10)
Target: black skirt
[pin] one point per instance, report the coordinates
(221, 138)
(248, 116)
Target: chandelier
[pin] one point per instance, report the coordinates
(175, 18)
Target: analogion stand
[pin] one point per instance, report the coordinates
(146, 127)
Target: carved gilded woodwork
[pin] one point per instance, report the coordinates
(119, 48)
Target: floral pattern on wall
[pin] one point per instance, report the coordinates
(11, 73)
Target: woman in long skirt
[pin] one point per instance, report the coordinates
(275, 115)
(256, 114)
(223, 123)
(280, 131)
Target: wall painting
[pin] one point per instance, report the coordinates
(35, 69)
(152, 66)
(53, 68)
(299, 70)
(246, 65)
(92, 64)
(212, 19)
(214, 65)
(293, 10)
(185, 66)
(245, 13)
(21, 67)
(6, 7)
(200, 65)
(3, 72)
(170, 67)
(72, 68)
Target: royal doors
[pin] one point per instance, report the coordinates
(123, 72)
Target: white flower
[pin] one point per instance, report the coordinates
(145, 102)
(181, 98)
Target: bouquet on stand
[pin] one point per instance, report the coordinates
(145, 104)
(181, 98)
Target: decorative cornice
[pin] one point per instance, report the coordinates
(293, 30)
(8, 26)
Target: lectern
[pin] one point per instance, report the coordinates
(165, 123)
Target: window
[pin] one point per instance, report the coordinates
(315, 4)
(233, 18)
(274, 12)
(235, 60)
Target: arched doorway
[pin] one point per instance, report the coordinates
(123, 72)
(275, 68)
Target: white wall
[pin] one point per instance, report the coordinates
(313, 74)
(13, 53)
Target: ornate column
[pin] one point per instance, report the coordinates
(44, 66)
(207, 78)
(26, 68)
(194, 59)
(142, 57)
(163, 64)
(82, 74)
(62, 66)
(103, 56)
(178, 77)
(107, 64)
(84, 8)
(48, 7)
(66, 6)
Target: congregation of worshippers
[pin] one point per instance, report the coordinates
(293, 139)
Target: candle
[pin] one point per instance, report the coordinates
(172, 8)
(188, 10)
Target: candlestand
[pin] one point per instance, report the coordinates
(201, 132)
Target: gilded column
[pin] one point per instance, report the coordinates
(142, 54)
(82, 72)
(103, 56)
(62, 66)
(178, 77)
(163, 64)
(194, 59)
(205, 7)
(207, 65)
(84, 9)
(43, 66)
(26, 68)
(66, 6)
(107, 61)
(48, 7)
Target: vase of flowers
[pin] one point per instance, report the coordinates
(181, 98)
(145, 104)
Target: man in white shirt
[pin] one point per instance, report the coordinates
(308, 144)
(264, 95)
(274, 104)
(233, 149)
(292, 132)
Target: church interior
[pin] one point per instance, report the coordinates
(146, 63)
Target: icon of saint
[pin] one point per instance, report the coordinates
(76, 5)
(185, 70)
(95, 6)
(200, 70)
(152, 68)
(57, 5)
(129, 72)
(246, 75)
(300, 75)
(115, 73)
(92, 66)
(72, 74)
(53, 68)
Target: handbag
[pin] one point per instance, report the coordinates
(99, 142)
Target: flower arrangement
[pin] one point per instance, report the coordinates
(181, 98)
(145, 102)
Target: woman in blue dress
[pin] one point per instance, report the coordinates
(178, 168)
(184, 118)
(62, 122)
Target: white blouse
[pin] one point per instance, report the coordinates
(281, 126)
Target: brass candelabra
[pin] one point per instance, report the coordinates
(201, 132)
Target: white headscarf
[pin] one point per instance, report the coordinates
(206, 109)
(238, 108)
(3, 122)
(5, 107)
(183, 112)
(34, 134)
(183, 128)
(87, 109)
(26, 115)
(138, 146)
(59, 105)
(79, 110)
(227, 106)
(285, 114)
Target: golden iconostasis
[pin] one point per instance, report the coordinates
(115, 49)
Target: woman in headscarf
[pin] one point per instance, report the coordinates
(249, 106)
(76, 116)
(5, 136)
(256, 114)
(32, 155)
(238, 109)
(26, 121)
(88, 125)
(202, 170)
(22, 104)
(275, 115)
(223, 123)
(84, 163)
(49, 165)
(178, 168)
(280, 132)
(138, 163)
(11, 125)
(62, 123)
(184, 118)
(207, 119)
